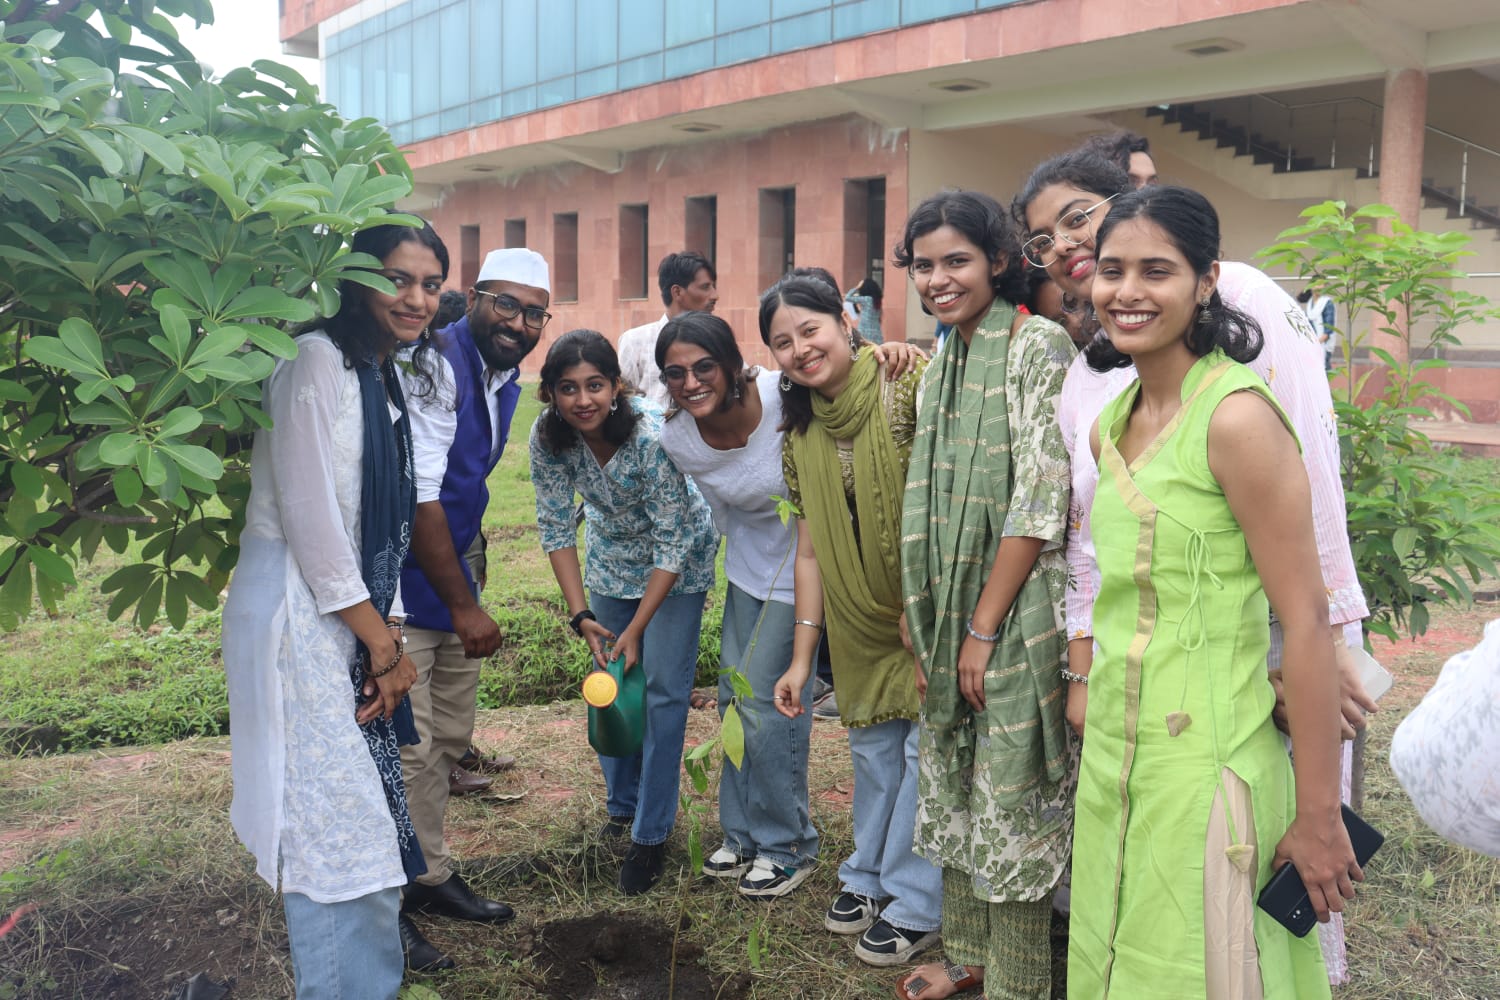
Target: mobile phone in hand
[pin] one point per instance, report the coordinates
(1285, 897)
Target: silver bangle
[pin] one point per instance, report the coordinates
(1069, 675)
(809, 624)
(980, 635)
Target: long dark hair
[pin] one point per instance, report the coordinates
(1190, 222)
(980, 220)
(804, 292)
(352, 329)
(1080, 168)
(583, 347)
(716, 338)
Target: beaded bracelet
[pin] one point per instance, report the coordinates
(980, 635)
(400, 652)
(1069, 675)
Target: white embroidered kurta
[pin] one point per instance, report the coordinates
(307, 799)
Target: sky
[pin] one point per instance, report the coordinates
(243, 31)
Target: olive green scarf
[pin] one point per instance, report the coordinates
(861, 574)
(957, 502)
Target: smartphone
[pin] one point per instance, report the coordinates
(1375, 679)
(1285, 897)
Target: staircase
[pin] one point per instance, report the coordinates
(1329, 149)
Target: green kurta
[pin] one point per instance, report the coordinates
(1181, 626)
(995, 787)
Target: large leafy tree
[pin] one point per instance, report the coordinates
(160, 234)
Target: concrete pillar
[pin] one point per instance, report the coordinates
(1402, 139)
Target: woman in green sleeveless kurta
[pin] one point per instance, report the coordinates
(1185, 795)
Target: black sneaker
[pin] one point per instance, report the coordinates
(642, 867)
(768, 880)
(725, 863)
(851, 913)
(616, 828)
(884, 944)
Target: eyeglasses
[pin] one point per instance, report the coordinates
(703, 370)
(508, 307)
(1072, 229)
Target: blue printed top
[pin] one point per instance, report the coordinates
(642, 514)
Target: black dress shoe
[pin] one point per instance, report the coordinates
(454, 899)
(421, 954)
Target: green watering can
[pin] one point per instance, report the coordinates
(617, 709)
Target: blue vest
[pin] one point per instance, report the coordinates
(464, 494)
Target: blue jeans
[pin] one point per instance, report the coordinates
(763, 802)
(645, 786)
(883, 864)
(346, 951)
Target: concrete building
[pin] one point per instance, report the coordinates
(606, 133)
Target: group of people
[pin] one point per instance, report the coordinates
(1051, 584)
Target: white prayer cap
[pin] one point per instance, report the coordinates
(518, 265)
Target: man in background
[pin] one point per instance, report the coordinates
(688, 283)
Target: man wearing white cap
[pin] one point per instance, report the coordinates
(458, 434)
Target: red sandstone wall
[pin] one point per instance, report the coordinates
(816, 159)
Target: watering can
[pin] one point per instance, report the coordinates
(617, 708)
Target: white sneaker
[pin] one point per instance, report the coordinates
(767, 880)
(724, 863)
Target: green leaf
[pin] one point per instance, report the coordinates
(198, 460)
(52, 564)
(263, 301)
(128, 487)
(154, 145)
(180, 421)
(733, 734)
(27, 481)
(1403, 541)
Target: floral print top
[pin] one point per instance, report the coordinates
(641, 513)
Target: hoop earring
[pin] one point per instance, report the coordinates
(786, 384)
(1204, 316)
(614, 404)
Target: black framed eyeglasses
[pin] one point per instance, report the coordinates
(703, 370)
(1072, 229)
(509, 307)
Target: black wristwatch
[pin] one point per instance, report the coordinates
(577, 623)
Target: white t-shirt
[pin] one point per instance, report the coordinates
(739, 484)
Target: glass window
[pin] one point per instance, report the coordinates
(702, 225)
(515, 48)
(554, 45)
(640, 28)
(689, 59)
(350, 94)
(635, 242)
(421, 7)
(552, 92)
(486, 109)
(594, 82)
(688, 21)
(865, 16)
(425, 127)
(790, 8)
(596, 44)
(742, 45)
(638, 72)
(486, 53)
(518, 102)
(515, 233)
(426, 53)
(734, 14)
(916, 11)
(398, 68)
(452, 58)
(372, 63)
(801, 32)
(454, 120)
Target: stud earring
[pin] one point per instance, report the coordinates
(786, 384)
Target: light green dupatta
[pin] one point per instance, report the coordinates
(861, 574)
(957, 502)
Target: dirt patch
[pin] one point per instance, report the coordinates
(612, 956)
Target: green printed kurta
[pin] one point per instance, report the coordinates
(995, 788)
(1184, 788)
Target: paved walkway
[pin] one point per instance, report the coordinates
(1475, 439)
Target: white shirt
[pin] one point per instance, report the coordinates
(637, 352)
(1444, 752)
(739, 484)
(1315, 317)
(434, 420)
(308, 802)
(1291, 368)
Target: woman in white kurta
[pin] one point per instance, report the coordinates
(309, 801)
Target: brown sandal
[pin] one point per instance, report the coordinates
(703, 698)
(916, 985)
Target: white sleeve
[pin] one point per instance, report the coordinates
(632, 360)
(303, 399)
(434, 424)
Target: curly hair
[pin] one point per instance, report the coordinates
(1189, 221)
(980, 220)
(574, 348)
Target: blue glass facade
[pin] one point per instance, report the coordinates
(427, 67)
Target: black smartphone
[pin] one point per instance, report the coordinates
(1285, 897)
